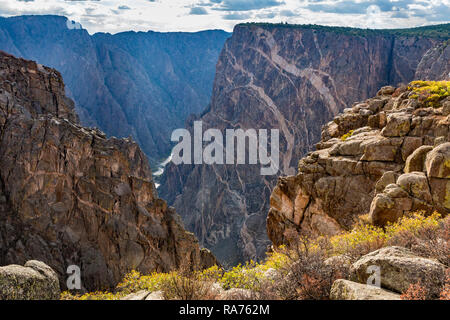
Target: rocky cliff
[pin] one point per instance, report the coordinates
(435, 63)
(70, 196)
(139, 84)
(291, 78)
(386, 156)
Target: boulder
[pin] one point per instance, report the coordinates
(386, 90)
(416, 184)
(34, 281)
(140, 295)
(381, 149)
(386, 209)
(237, 294)
(398, 125)
(386, 179)
(156, 295)
(399, 268)
(437, 162)
(416, 161)
(446, 108)
(440, 190)
(349, 290)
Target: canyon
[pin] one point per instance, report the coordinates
(138, 84)
(73, 195)
(294, 79)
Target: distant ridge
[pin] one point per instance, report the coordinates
(139, 84)
(438, 31)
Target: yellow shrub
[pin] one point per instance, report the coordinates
(430, 92)
(360, 235)
(366, 234)
(413, 223)
(211, 274)
(347, 135)
(275, 260)
(251, 275)
(248, 276)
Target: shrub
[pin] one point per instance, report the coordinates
(303, 271)
(415, 292)
(430, 92)
(361, 240)
(248, 276)
(426, 236)
(187, 285)
(347, 135)
(445, 293)
(308, 275)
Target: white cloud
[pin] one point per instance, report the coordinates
(192, 15)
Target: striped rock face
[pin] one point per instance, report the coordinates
(295, 80)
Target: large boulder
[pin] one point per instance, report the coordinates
(399, 268)
(437, 162)
(398, 125)
(425, 186)
(349, 290)
(34, 281)
(415, 162)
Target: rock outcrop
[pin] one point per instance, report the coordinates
(139, 84)
(295, 79)
(70, 196)
(349, 290)
(34, 281)
(386, 156)
(425, 185)
(435, 63)
(400, 268)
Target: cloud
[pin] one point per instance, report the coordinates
(246, 5)
(198, 11)
(434, 13)
(237, 16)
(358, 7)
(287, 13)
(193, 15)
(266, 15)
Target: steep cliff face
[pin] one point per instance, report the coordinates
(70, 196)
(435, 63)
(141, 84)
(294, 79)
(386, 156)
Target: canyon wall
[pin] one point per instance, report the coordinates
(291, 78)
(71, 196)
(138, 84)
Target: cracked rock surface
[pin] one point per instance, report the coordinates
(70, 196)
(386, 163)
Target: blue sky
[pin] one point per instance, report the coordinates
(193, 15)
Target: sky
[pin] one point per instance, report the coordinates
(193, 15)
